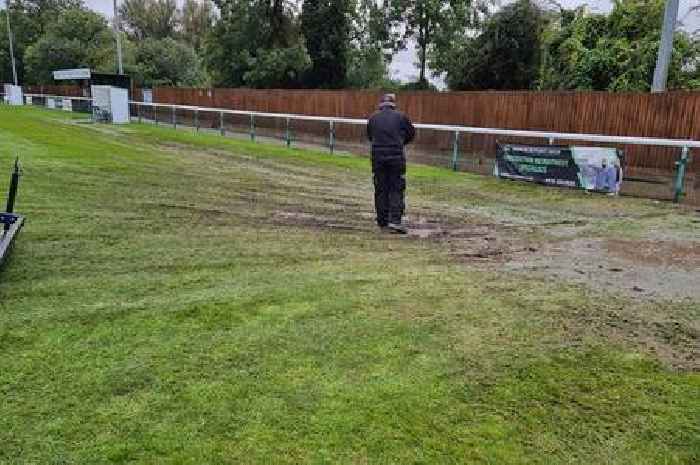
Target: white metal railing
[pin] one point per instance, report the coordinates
(550, 136)
(678, 143)
(684, 144)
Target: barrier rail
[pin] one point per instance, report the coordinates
(456, 130)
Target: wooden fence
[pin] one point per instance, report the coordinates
(665, 115)
(668, 115)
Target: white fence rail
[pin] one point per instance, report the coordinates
(683, 144)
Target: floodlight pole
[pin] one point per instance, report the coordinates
(9, 36)
(119, 40)
(663, 60)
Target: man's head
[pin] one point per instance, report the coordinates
(388, 101)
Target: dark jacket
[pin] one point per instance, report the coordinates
(389, 131)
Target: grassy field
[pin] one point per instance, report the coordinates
(190, 299)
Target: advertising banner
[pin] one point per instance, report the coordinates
(591, 168)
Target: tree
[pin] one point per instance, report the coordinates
(433, 23)
(29, 20)
(77, 38)
(167, 62)
(155, 19)
(256, 44)
(42, 12)
(505, 55)
(615, 52)
(197, 19)
(325, 25)
(369, 49)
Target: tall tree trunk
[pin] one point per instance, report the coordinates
(422, 55)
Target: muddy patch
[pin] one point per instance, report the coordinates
(592, 262)
(534, 241)
(657, 253)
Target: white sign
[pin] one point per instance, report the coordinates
(63, 74)
(110, 104)
(13, 95)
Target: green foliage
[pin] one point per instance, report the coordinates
(277, 67)
(197, 18)
(42, 12)
(256, 44)
(165, 41)
(349, 43)
(76, 38)
(155, 19)
(370, 39)
(23, 32)
(29, 21)
(325, 25)
(615, 52)
(434, 25)
(167, 62)
(505, 55)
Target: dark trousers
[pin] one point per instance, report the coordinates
(389, 189)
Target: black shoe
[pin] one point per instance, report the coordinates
(397, 228)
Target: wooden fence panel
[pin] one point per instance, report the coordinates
(670, 115)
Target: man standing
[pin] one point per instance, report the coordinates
(389, 131)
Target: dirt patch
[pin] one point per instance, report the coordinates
(590, 262)
(638, 269)
(657, 253)
(476, 241)
(533, 241)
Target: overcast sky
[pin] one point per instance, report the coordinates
(403, 66)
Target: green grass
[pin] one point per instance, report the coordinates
(155, 311)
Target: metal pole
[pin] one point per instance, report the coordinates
(680, 175)
(221, 123)
(288, 135)
(455, 151)
(14, 182)
(174, 117)
(155, 115)
(331, 137)
(138, 111)
(663, 59)
(252, 127)
(9, 37)
(196, 120)
(119, 40)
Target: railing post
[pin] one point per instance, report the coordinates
(14, 182)
(288, 135)
(680, 175)
(173, 113)
(155, 114)
(331, 136)
(222, 130)
(455, 151)
(196, 120)
(252, 127)
(138, 111)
